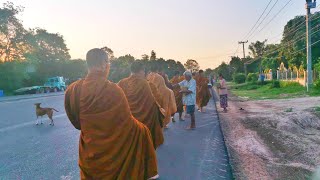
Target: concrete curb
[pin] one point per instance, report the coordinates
(17, 98)
(230, 157)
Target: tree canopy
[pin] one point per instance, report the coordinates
(192, 65)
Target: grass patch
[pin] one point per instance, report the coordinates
(258, 92)
(289, 110)
(317, 109)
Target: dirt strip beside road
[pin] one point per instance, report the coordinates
(273, 139)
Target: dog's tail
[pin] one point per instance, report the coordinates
(54, 109)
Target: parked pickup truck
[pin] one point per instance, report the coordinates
(53, 84)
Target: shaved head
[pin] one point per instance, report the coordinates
(137, 66)
(96, 58)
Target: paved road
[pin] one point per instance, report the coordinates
(44, 152)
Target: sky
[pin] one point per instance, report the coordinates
(205, 30)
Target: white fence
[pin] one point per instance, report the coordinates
(293, 76)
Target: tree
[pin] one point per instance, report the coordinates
(109, 51)
(224, 69)
(145, 57)
(236, 65)
(257, 48)
(192, 65)
(153, 56)
(270, 63)
(48, 46)
(209, 72)
(12, 33)
(294, 40)
(120, 67)
(173, 66)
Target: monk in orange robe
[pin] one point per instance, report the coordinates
(203, 93)
(113, 144)
(168, 99)
(156, 94)
(176, 90)
(142, 103)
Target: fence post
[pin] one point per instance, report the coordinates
(291, 76)
(286, 75)
(278, 75)
(305, 77)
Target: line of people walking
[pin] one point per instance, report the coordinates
(123, 124)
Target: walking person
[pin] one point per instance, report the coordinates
(113, 144)
(223, 92)
(175, 80)
(188, 89)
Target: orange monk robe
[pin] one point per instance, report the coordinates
(176, 91)
(156, 94)
(143, 106)
(203, 93)
(113, 144)
(168, 99)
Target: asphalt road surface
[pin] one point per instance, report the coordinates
(33, 152)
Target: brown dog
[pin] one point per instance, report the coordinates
(44, 111)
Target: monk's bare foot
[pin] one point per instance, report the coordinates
(154, 177)
(166, 127)
(181, 119)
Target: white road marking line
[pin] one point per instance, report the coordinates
(29, 123)
(29, 99)
(205, 125)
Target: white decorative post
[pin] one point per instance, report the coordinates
(305, 77)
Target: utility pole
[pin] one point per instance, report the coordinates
(244, 55)
(309, 6)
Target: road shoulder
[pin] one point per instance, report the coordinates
(31, 96)
(272, 139)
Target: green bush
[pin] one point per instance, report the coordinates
(239, 78)
(252, 87)
(284, 84)
(12, 75)
(317, 84)
(252, 77)
(275, 84)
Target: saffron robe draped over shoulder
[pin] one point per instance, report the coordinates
(168, 99)
(113, 144)
(156, 94)
(177, 94)
(144, 106)
(203, 93)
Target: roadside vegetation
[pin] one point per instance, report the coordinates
(29, 56)
(271, 90)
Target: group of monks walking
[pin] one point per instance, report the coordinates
(122, 124)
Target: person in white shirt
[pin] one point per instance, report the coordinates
(188, 89)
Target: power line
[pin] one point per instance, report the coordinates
(274, 16)
(263, 19)
(293, 41)
(293, 29)
(236, 50)
(287, 44)
(304, 48)
(258, 19)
